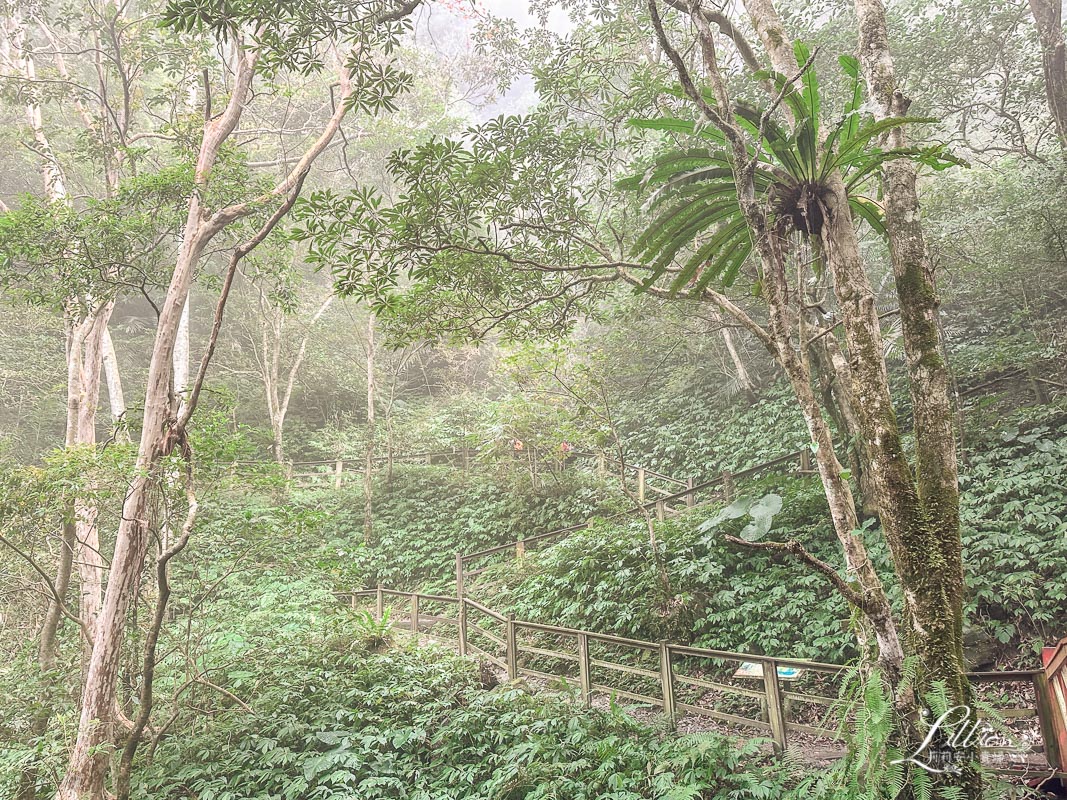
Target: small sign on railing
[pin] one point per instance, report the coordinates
(752, 669)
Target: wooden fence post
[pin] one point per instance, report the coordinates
(459, 575)
(640, 484)
(775, 711)
(415, 613)
(338, 468)
(520, 548)
(463, 626)
(691, 498)
(601, 466)
(666, 679)
(805, 460)
(727, 486)
(511, 655)
(585, 680)
(379, 604)
(1045, 712)
(661, 511)
(352, 598)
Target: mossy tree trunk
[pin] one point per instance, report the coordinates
(918, 504)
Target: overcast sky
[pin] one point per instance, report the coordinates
(521, 95)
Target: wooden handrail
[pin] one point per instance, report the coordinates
(684, 494)
(773, 696)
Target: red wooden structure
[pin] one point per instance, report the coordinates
(1055, 660)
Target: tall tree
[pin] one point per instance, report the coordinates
(258, 37)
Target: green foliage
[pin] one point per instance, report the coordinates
(725, 597)
(372, 633)
(334, 721)
(429, 514)
(1014, 491)
(51, 251)
(437, 239)
(867, 772)
(422, 518)
(681, 428)
(720, 595)
(292, 36)
(792, 169)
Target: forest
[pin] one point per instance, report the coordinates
(499, 399)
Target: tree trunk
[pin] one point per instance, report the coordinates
(162, 425)
(85, 357)
(1048, 15)
(273, 323)
(113, 379)
(88, 761)
(769, 245)
(930, 551)
(835, 375)
(181, 355)
(368, 468)
(744, 381)
(89, 758)
(47, 651)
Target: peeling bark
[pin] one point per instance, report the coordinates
(163, 425)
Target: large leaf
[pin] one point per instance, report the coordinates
(809, 81)
(762, 512)
(719, 257)
(791, 98)
(862, 137)
(675, 125)
(737, 509)
(868, 210)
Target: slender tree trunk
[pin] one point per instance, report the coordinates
(47, 651)
(148, 668)
(88, 760)
(837, 389)
(368, 467)
(86, 321)
(85, 358)
(1048, 15)
(838, 492)
(744, 380)
(113, 379)
(163, 426)
(769, 244)
(278, 399)
(181, 354)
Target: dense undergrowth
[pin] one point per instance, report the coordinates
(335, 720)
(309, 703)
(723, 596)
(423, 516)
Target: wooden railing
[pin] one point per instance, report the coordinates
(719, 488)
(774, 696)
(334, 471)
